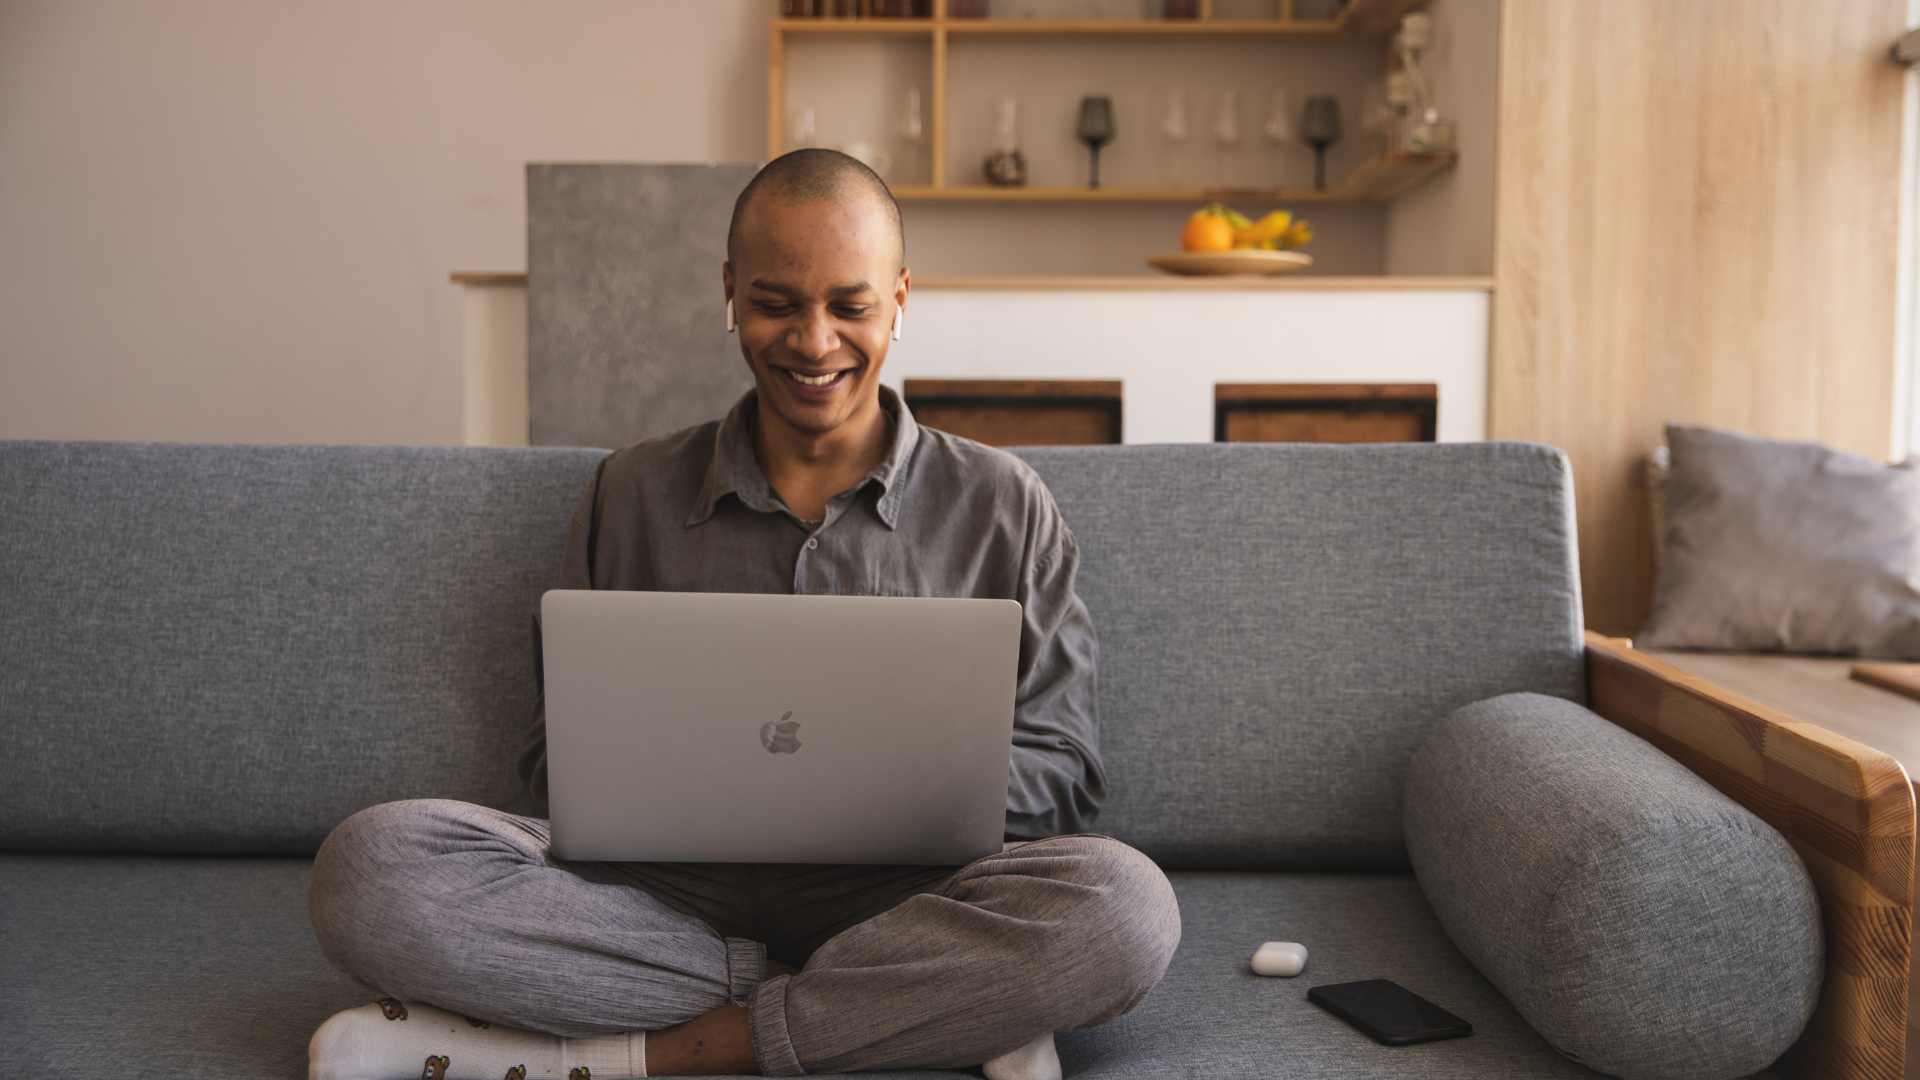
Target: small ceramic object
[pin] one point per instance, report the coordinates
(1283, 958)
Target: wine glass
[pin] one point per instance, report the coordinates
(1173, 131)
(1096, 128)
(1320, 128)
(1226, 131)
(800, 123)
(912, 128)
(1376, 117)
(1006, 126)
(1279, 126)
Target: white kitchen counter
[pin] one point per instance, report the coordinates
(1168, 339)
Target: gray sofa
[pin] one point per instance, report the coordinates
(209, 655)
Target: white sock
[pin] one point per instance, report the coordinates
(1038, 1060)
(395, 1040)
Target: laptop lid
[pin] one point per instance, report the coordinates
(748, 727)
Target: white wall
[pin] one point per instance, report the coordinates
(1445, 226)
(229, 220)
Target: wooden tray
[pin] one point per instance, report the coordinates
(1239, 261)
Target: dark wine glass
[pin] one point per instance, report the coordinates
(1320, 128)
(1096, 128)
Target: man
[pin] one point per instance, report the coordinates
(817, 481)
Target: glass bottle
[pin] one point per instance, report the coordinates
(1006, 166)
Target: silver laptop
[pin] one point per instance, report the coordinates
(734, 727)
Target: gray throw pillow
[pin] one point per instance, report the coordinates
(1778, 546)
(1644, 923)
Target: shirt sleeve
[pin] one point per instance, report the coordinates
(1056, 782)
(576, 572)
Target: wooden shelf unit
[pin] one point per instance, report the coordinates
(1376, 180)
(1361, 18)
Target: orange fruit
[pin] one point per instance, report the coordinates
(1207, 232)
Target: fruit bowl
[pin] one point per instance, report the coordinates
(1236, 261)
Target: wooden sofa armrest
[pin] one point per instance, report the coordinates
(1847, 808)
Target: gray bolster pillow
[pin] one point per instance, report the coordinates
(1644, 923)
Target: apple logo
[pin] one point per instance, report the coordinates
(781, 736)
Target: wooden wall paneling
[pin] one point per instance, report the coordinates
(1696, 214)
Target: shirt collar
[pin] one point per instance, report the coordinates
(734, 468)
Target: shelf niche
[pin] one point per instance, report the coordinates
(854, 73)
(962, 72)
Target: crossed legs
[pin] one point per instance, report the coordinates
(461, 906)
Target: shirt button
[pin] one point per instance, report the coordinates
(813, 541)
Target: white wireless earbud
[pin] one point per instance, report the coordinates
(897, 316)
(731, 324)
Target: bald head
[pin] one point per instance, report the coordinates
(815, 174)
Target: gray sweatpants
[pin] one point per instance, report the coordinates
(462, 907)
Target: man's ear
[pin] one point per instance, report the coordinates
(726, 277)
(900, 291)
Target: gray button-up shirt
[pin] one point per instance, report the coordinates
(940, 516)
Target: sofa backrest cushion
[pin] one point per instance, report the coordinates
(231, 648)
(1279, 625)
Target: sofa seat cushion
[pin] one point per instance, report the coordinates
(1213, 1017)
(160, 967)
(1644, 922)
(206, 968)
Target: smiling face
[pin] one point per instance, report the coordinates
(815, 283)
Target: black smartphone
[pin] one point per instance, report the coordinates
(1391, 1013)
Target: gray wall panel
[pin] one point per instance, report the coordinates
(625, 323)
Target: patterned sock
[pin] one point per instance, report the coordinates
(1038, 1060)
(396, 1040)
